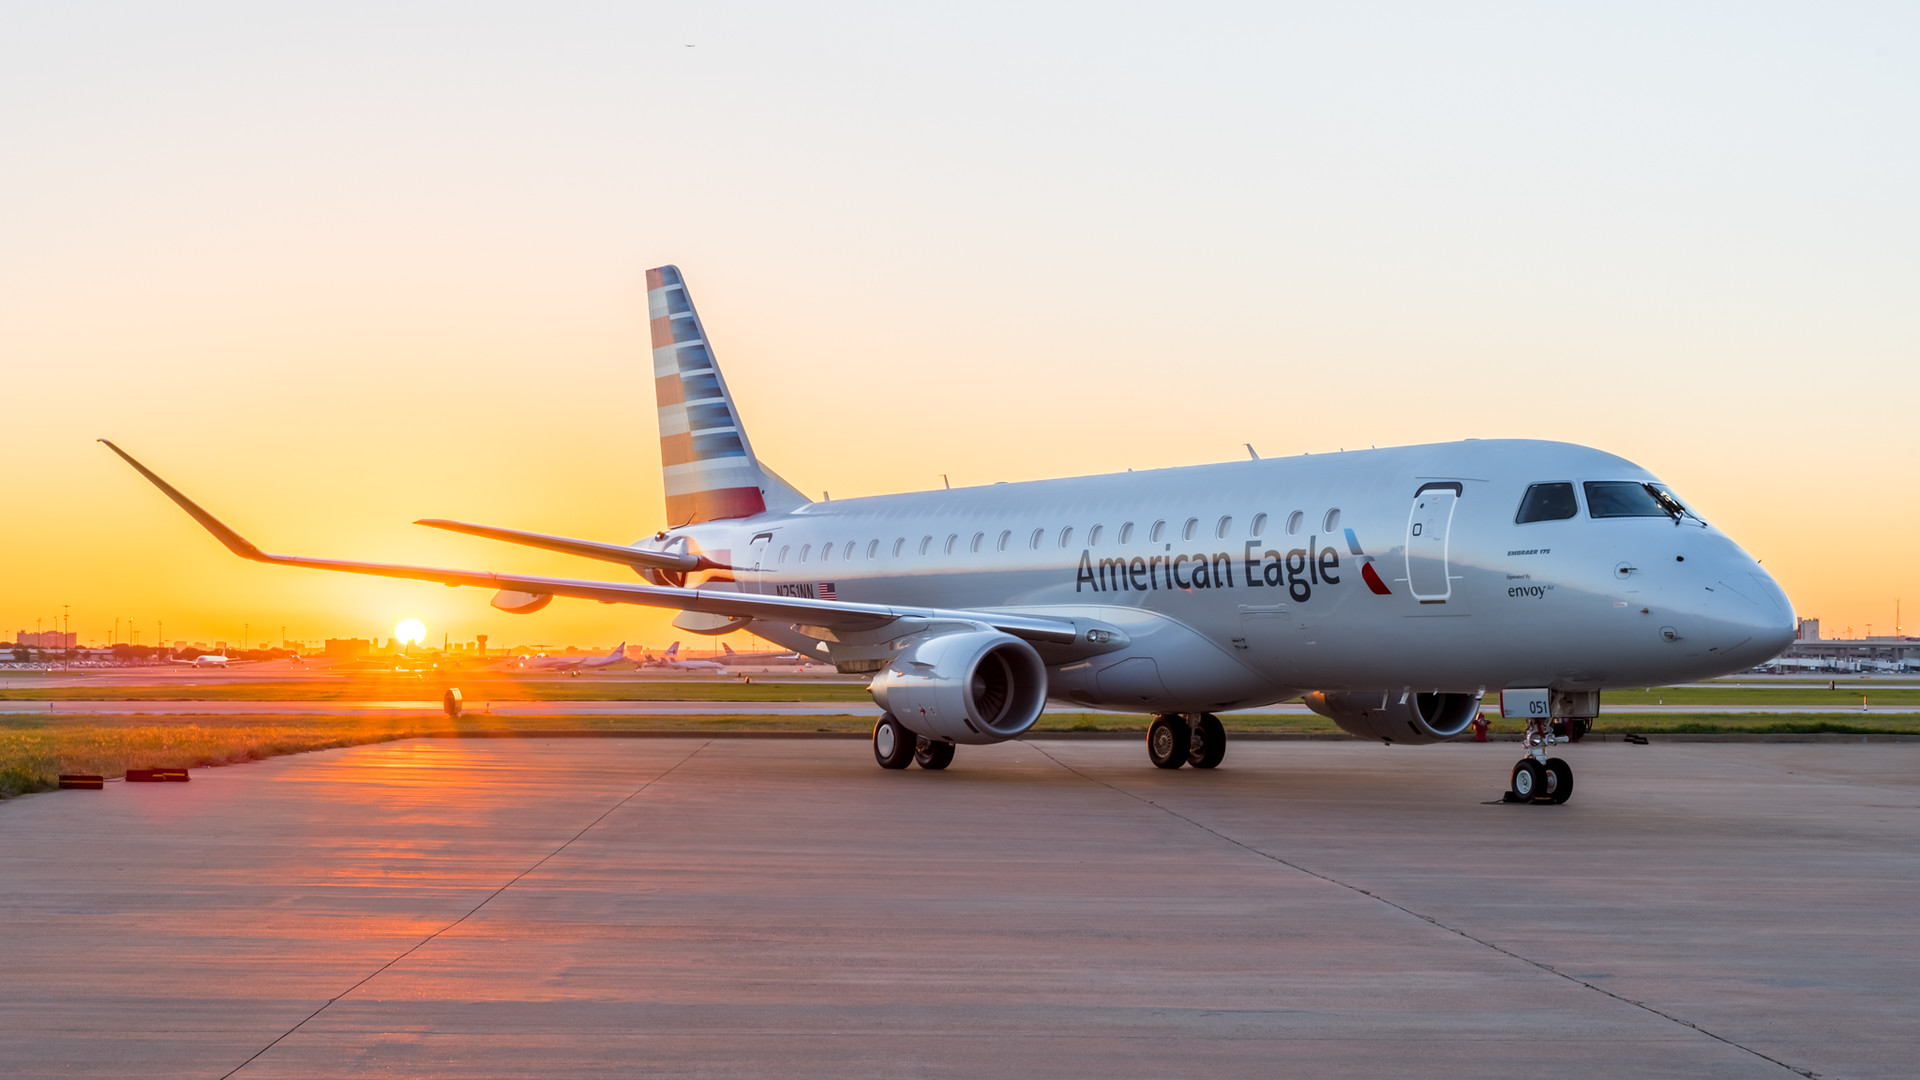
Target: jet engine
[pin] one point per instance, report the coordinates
(969, 686)
(1397, 716)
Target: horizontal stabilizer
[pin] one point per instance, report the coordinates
(592, 549)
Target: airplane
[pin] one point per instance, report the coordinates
(1390, 589)
(572, 665)
(210, 660)
(671, 660)
(731, 658)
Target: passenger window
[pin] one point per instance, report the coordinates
(1331, 523)
(1159, 530)
(848, 557)
(1547, 502)
(1259, 525)
(783, 554)
(826, 551)
(1066, 536)
(898, 545)
(926, 542)
(1220, 530)
(977, 537)
(1192, 526)
(1093, 535)
(1627, 498)
(1126, 533)
(1034, 543)
(952, 539)
(1006, 535)
(1294, 521)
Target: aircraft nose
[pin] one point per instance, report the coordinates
(1752, 617)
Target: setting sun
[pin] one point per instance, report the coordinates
(410, 631)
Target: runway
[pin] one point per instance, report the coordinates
(671, 907)
(422, 709)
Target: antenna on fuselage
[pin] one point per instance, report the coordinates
(1251, 452)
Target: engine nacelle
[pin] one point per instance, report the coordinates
(971, 686)
(1380, 714)
(521, 603)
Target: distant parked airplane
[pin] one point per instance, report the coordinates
(210, 660)
(734, 659)
(672, 662)
(571, 665)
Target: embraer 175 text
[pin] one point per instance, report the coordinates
(1391, 588)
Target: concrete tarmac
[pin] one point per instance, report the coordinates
(673, 907)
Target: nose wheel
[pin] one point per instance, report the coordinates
(1538, 778)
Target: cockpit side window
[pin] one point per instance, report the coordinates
(1627, 498)
(1546, 502)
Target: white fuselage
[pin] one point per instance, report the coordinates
(1248, 582)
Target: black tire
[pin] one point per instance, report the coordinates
(1169, 741)
(932, 754)
(892, 743)
(1559, 780)
(1212, 743)
(1529, 780)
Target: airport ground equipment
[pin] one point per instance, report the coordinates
(1391, 588)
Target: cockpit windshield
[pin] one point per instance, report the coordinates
(1632, 498)
(1546, 502)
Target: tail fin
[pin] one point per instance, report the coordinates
(673, 651)
(619, 652)
(710, 469)
(729, 649)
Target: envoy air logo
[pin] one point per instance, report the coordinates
(1298, 571)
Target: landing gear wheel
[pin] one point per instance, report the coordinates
(1559, 780)
(1208, 743)
(892, 743)
(1529, 780)
(932, 754)
(1169, 741)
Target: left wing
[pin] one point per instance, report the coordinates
(830, 615)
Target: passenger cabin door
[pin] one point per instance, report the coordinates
(757, 564)
(1427, 527)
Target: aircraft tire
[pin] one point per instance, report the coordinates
(1529, 780)
(1213, 743)
(1560, 780)
(892, 743)
(1169, 741)
(932, 754)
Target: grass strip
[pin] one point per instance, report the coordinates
(474, 691)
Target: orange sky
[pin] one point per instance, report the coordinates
(333, 274)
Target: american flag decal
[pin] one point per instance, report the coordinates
(826, 591)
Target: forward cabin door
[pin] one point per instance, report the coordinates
(758, 563)
(1428, 524)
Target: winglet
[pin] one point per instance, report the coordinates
(235, 543)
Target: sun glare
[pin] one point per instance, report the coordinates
(410, 631)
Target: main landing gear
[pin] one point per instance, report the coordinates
(1537, 777)
(1174, 740)
(894, 747)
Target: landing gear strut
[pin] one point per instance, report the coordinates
(1537, 777)
(1174, 740)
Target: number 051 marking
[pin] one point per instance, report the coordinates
(1525, 704)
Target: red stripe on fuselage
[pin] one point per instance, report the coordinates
(1373, 580)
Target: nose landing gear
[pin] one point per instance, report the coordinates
(1537, 777)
